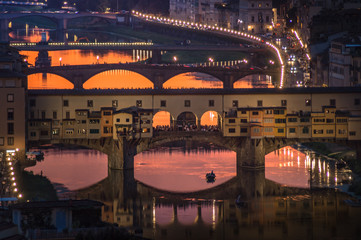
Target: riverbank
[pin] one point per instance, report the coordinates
(339, 153)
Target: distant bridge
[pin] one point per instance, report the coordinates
(157, 74)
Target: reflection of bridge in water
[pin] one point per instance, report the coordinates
(212, 213)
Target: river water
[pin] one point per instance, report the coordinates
(167, 196)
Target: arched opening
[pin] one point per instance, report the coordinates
(193, 80)
(254, 81)
(163, 121)
(211, 121)
(118, 79)
(187, 216)
(187, 121)
(48, 81)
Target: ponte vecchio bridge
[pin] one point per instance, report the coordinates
(91, 118)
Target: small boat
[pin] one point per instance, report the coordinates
(211, 177)
(35, 155)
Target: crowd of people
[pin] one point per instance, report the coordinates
(187, 128)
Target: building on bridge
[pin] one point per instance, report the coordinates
(13, 87)
(252, 113)
(271, 122)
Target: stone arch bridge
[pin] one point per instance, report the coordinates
(250, 152)
(157, 74)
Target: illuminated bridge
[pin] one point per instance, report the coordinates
(157, 74)
(120, 122)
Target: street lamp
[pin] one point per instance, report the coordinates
(175, 59)
(97, 59)
(60, 61)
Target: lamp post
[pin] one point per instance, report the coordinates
(175, 59)
(60, 61)
(97, 59)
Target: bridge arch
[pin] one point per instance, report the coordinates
(163, 119)
(253, 81)
(118, 78)
(48, 81)
(211, 118)
(32, 15)
(187, 121)
(192, 79)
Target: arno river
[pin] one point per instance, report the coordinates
(167, 196)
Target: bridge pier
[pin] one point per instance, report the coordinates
(156, 57)
(228, 80)
(78, 81)
(61, 29)
(158, 80)
(121, 154)
(252, 183)
(4, 31)
(251, 153)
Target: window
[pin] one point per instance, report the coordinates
(66, 103)
(308, 102)
(138, 103)
(283, 103)
(244, 120)
(342, 131)
(280, 120)
(211, 103)
(259, 5)
(118, 120)
(1, 141)
(90, 103)
(292, 130)
(268, 120)
(329, 120)
(43, 114)
(267, 18)
(252, 19)
(10, 113)
(329, 131)
(187, 103)
(267, 4)
(231, 130)
(341, 120)
(94, 131)
(163, 103)
(259, 103)
(10, 128)
(67, 115)
(232, 120)
(10, 141)
(292, 120)
(244, 130)
(55, 131)
(32, 115)
(305, 130)
(256, 130)
(304, 119)
(243, 112)
(107, 113)
(268, 111)
(279, 111)
(255, 113)
(252, 5)
(317, 120)
(357, 102)
(268, 129)
(32, 102)
(352, 133)
(235, 103)
(55, 114)
(332, 102)
(127, 120)
(114, 103)
(318, 131)
(280, 130)
(10, 97)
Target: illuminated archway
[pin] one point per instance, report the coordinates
(48, 81)
(163, 119)
(254, 81)
(187, 121)
(118, 79)
(211, 118)
(193, 80)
